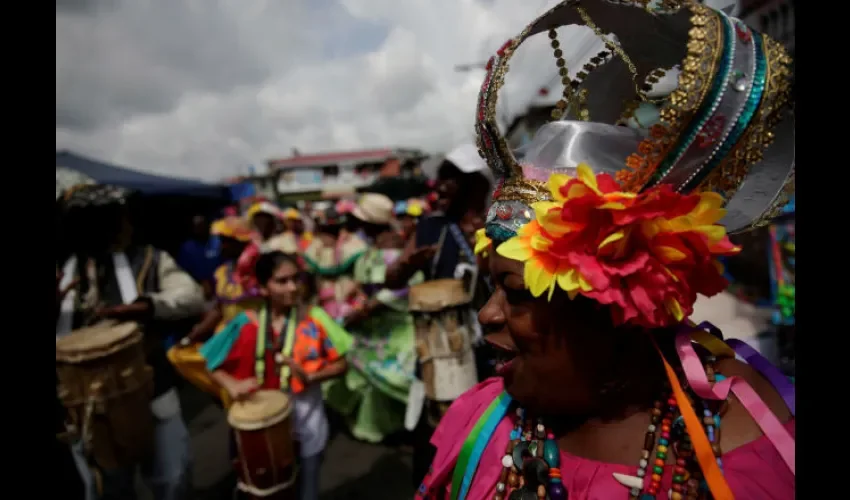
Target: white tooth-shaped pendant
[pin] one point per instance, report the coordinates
(628, 481)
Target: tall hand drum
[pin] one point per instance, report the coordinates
(106, 389)
(443, 338)
(263, 428)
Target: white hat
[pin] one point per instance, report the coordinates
(374, 208)
(467, 159)
(284, 242)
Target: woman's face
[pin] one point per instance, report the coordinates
(282, 289)
(231, 248)
(447, 190)
(265, 224)
(549, 346)
(469, 224)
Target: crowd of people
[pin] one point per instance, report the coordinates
(578, 267)
(341, 287)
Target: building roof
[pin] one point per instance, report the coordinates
(323, 159)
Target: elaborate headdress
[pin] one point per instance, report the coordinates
(627, 195)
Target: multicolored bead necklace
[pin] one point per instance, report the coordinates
(531, 464)
(536, 454)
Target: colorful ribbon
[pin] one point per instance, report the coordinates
(780, 382)
(695, 374)
(476, 442)
(702, 447)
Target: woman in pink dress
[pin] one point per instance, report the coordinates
(331, 257)
(600, 241)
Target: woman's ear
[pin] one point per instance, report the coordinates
(264, 292)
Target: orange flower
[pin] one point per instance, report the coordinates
(646, 256)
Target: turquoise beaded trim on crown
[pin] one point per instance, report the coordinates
(752, 104)
(718, 90)
(749, 91)
(499, 233)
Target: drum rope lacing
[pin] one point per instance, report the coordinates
(264, 492)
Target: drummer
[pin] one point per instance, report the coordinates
(316, 354)
(120, 278)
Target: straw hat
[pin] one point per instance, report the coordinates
(291, 214)
(374, 208)
(232, 227)
(264, 207)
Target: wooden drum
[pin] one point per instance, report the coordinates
(266, 462)
(443, 338)
(106, 389)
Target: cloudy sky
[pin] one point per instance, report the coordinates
(203, 88)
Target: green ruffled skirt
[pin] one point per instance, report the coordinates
(372, 395)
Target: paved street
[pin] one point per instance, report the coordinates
(351, 471)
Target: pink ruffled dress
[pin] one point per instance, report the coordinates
(754, 471)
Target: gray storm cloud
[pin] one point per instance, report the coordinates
(203, 88)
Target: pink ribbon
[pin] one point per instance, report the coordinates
(766, 420)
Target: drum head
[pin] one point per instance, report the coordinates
(94, 341)
(265, 408)
(436, 295)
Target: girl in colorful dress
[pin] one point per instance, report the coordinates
(232, 297)
(302, 348)
(373, 394)
(601, 240)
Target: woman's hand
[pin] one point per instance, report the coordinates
(195, 335)
(361, 313)
(421, 257)
(240, 390)
(209, 289)
(204, 329)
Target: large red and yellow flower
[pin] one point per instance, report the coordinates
(646, 255)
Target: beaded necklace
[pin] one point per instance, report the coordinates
(531, 463)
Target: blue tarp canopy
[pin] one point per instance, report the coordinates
(242, 190)
(149, 184)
